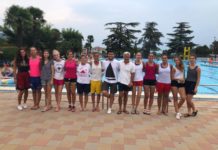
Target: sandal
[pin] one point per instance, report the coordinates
(119, 112)
(69, 108)
(126, 112)
(194, 113)
(137, 112)
(187, 115)
(133, 111)
(73, 109)
(145, 111)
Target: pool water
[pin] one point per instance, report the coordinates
(209, 78)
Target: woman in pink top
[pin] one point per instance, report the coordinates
(70, 80)
(35, 73)
(150, 69)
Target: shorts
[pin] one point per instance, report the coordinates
(149, 82)
(23, 81)
(123, 87)
(45, 82)
(163, 87)
(175, 83)
(190, 87)
(68, 80)
(112, 86)
(96, 87)
(137, 83)
(35, 83)
(83, 88)
(58, 82)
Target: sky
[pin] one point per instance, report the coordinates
(90, 16)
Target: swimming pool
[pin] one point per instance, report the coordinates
(208, 83)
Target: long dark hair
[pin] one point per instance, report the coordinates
(19, 58)
(43, 59)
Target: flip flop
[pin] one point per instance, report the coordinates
(194, 114)
(126, 112)
(187, 115)
(119, 112)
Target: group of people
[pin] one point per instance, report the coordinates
(106, 77)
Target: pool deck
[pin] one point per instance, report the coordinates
(34, 130)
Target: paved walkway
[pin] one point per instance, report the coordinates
(24, 130)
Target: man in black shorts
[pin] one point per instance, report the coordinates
(125, 79)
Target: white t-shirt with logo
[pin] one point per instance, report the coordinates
(59, 69)
(139, 74)
(125, 72)
(111, 69)
(83, 73)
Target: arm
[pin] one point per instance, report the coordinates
(131, 79)
(52, 73)
(198, 80)
(172, 74)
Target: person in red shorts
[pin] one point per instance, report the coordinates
(137, 83)
(21, 77)
(150, 69)
(58, 78)
(163, 85)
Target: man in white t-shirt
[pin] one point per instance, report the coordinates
(111, 69)
(125, 80)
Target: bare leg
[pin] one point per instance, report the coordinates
(139, 92)
(133, 97)
(165, 102)
(175, 98)
(19, 97)
(182, 96)
(146, 91)
(159, 102)
(120, 99)
(69, 98)
(93, 102)
(25, 95)
(152, 90)
(125, 99)
(73, 92)
(98, 101)
(86, 100)
(81, 101)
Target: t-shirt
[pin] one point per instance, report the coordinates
(96, 71)
(125, 72)
(35, 69)
(111, 69)
(46, 70)
(83, 73)
(70, 69)
(59, 69)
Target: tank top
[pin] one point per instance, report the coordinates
(35, 69)
(70, 69)
(23, 66)
(192, 74)
(178, 74)
(164, 74)
(96, 71)
(139, 72)
(150, 72)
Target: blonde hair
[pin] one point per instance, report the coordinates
(126, 53)
(55, 52)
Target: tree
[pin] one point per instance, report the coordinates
(214, 47)
(71, 39)
(180, 38)
(89, 41)
(122, 37)
(38, 21)
(202, 51)
(150, 38)
(17, 21)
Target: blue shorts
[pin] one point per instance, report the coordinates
(35, 83)
(83, 88)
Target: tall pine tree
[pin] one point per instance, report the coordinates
(180, 38)
(150, 38)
